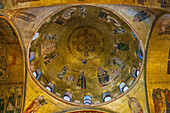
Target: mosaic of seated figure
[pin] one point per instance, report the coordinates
(103, 77)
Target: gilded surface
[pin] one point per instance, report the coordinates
(36, 99)
(157, 77)
(12, 69)
(66, 46)
(13, 4)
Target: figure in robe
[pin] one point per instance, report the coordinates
(164, 3)
(103, 77)
(167, 95)
(10, 103)
(164, 28)
(161, 101)
(2, 4)
(141, 16)
(103, 14)
(69, 12)
(112, 20)
(118, 30)
(70, 79)
(63, 72)
(3, 63)
(134, 105)
(81, 83)
(50, 36)
(2, 104)
(120, 63)
(141, 1)
(155, 100)
(36, 104)
(115, 72)
(83, 11)
(15, 2)
(50, 57)
(60, 20)
(121, 46)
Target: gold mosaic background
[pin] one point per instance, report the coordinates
(154, 75)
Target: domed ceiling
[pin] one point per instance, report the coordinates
(85, 54)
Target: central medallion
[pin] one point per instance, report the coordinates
(85, 43)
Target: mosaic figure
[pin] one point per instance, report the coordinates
(4, 24)
(103, 14)
(26, 16)
(83, 11)
(3, 64)
(2, 104)
(81, 83)
(115, 72)
(103, 77)
(48, 45)
(69, 12)
(70, 79)
(167, 96)
(168, 68)
(2, 4)
(164, 3)
(118, 30)
(13, 102)
(15, 2)
(10, 103)
(50, 36)
(161, 100)
(50, 57)
(164, 27)
(36, 104)
(63, 72)
(121, 46)
(141, 2)
(60, 20)
(134, 105)
(118, 62)
(112, 20)
(141, 16)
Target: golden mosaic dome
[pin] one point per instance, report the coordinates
(85, 55)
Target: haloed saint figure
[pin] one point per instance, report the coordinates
(81, 84)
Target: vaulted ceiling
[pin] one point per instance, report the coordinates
(84, 56)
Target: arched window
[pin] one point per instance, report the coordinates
(37, 73)
(139, 54)
(32, 56)
(123, 87)
(50, 87)
(106, 97)
(134, 72)
(134, 35)
(35, 36)
(87, 100)
(67, 96)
